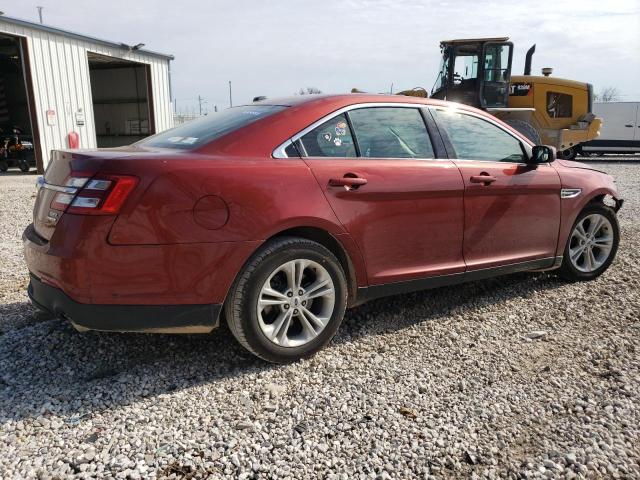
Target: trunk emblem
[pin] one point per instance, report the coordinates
(53, 215)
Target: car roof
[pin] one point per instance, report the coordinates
(345, 99)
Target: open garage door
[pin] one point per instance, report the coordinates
(17, 142)
(122, 103)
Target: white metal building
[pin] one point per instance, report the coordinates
(60, 87)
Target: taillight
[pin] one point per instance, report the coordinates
(102, 195)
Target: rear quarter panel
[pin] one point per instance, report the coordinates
(263, 197)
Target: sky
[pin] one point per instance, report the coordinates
(274, 48)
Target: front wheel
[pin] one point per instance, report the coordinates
(592, 244)
(288, 301)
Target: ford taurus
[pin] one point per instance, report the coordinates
(277, 216)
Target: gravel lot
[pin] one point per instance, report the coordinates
(522, 376)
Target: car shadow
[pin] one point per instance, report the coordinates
(47, 368)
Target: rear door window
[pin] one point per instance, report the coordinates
(391, 132)
(331, 139)
(476, 139)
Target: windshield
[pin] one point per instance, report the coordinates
(211, 127)
(441, 80)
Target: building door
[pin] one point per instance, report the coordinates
(121, 97)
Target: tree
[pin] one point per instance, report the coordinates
(309, 91)
(608, 94)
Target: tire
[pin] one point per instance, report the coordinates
(568, 154)
(571, 270)
(24, 165)
(256, 327)
(4, 165)
(526, 129)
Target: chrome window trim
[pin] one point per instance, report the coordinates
(279, 150)
(492, 122)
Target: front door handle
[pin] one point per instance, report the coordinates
(484, 178)
(347, 182)
(629, 126)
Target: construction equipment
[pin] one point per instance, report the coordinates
(547, 110)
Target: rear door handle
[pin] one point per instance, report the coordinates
(349, 182)
(629, 126)
(484, 178)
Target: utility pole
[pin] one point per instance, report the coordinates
(230, 97)
(391, 90)
(40, 13)
(201, 101)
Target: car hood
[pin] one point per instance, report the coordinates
(572, 164)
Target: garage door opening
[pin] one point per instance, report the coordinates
(16, 134)
(121, 100)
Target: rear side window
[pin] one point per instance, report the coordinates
(476, 139)
(390, 132)
(204, 130)
(559, 105)
(331, 139)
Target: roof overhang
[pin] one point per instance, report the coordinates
(78, 36)
(465, 41)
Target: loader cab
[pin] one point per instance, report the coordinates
(475, 72)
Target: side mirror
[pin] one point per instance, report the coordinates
(543, 154)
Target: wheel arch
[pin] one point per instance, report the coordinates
(334, 245)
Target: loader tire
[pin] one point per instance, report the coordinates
(526, 129)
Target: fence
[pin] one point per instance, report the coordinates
(180, 118)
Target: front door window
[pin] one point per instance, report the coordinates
(476, 139)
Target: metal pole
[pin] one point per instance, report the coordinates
(40, 13)
(230, 97)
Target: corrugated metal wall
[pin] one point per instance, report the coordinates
(60, 72)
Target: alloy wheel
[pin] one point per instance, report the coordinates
(296, 303)
(591, 243)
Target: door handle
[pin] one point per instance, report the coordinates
(628, 126)
(483, 178)
(348, 182)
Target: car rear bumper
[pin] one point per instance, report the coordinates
(124, 318)
(78, 261)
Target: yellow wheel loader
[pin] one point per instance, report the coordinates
(547, 110)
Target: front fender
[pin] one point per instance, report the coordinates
(594, 187)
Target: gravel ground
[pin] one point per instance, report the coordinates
(522, 377)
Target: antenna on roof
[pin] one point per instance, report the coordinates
(40, 12)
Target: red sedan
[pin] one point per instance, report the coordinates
(277, 216)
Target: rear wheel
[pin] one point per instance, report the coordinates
(4, 165)
(526, 129)
(592, 244)
(288, 301)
